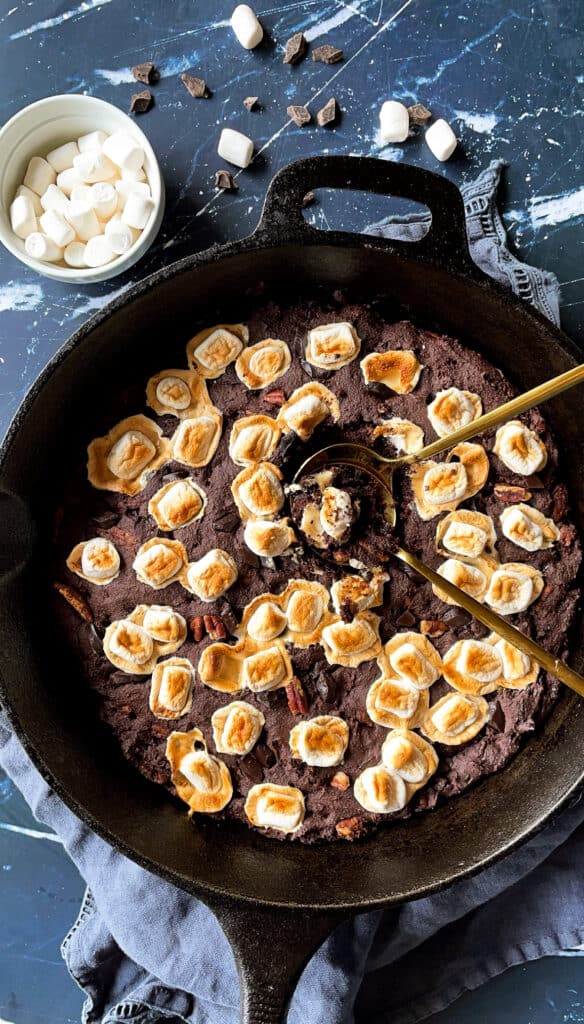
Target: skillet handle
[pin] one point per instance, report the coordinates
(445, 241)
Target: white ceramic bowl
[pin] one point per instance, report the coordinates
(39, 128)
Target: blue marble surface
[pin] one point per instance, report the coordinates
(510, 78)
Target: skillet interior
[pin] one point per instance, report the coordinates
(44, 691)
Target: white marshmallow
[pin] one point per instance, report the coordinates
(22, 217)
(246, 26)
(124, 151)
(55, 199)
(74, 255)
(104, 199)
(98, 251)
(121, 237)
(39, 175)
(128, 175)
(137, 210)
(83, 218)
(41, 247)
(82, 194)
(235, 147)
(62, 157)
(394, 122)
(93, 166)
(67, 180)
(56, 227)
(93, 140)
(22, 190)
(124, 187)
(441, 139)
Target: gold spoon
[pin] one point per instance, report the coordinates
(382, 470)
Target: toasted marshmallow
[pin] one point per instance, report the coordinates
(353, 594)
(159, 562)
(277, 807)
(125, 458)
(465, 533)
(96, 561)
(351, 643)
(405, 436)
(333, 345)
(411, 664)
(336, 513)
(473, 579)
(519, 448)
(304, 610)
(202, 781)
(402, 756)
(130, 454)
(195, 440)
(528, 528)
(253, 439)
(456, 718)
(268, 539)
(320, 742)
(435, 484)
(473, 666)
(513, 588)
(166, 627)
(266, 670)
(171, 690)
(212, 575)
(380, 791)
(444, 483)
(266, 622)
(173, 393)
(180, 393)
(453, 409)
(236, 728)
(399, 370)
(177, 504)
(220, 668)
(518, 670)
(212, 350)
(396, 703)
(258, 492)
(130, 643)
(306, 408)
(311, 526)
(263, 363)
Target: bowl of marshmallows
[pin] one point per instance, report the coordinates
(81, 193)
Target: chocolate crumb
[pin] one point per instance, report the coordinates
(251, 103)
(419, 114)
(406, 619)
(146, 73)
(300, 115)
(328, 114)
(296, 48)
(327, 54)
(141, 102)
(308, 199)
(457, 617)
(197, 87)
(224, 180)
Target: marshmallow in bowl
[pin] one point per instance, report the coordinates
(41, 247)
(57, 228)
(54, 199)
(123, 151)
(39, 175)
(98, 252)
(63, 156)
(22, 217)
(93, 140)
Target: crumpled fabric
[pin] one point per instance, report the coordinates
(145, 952)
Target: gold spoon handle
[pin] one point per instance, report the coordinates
(502, 413)
(496, 623)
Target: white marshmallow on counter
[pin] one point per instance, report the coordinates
(137, 210)
(441, 139)
(139, 175)
(82, 194)
(124, 188)
(93, 140)
(394, 122)
(74, 255)
(57, 228)
(22, 217)
(235, 147)
(98, 251)
(22, 190)
(54, 199)
(124, 151)
(93, 166)
(62, 157)
(67, 180)
(120, 236)
(104, 199)
(39, 175)
(83, 218)
(246, 26)
(41, 247)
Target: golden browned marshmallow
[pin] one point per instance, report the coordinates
(380, 791)
(311, 526)
(396, 703)
(305, 606)
(412, 657)
(268, 538)
(159, 562)
(513, 588)
(201, 780)
(180, 393)
(306, 408)
(258, 492)
(433, 483)
(236, 728)
(129, 647)
(266, 622)
(465, 533)
(96, 560)
(195, 440)
(444, 483)
(177, 504)
(398, 369)
(336, 513)
(405, 436)
(253, 439)
(212, 350)
(267, 669)
(123, 460)
(473, 666)
(333, 345)
(353, 594)
(220, 667)
(519, 448)
(261, 364)
(320, 742)
(528, 528)
(171, 689)
(167, 628)
(211, 575)
(409, 756)
(472, 577)
(278, 807)
(453, 409)
(455, 719)
(352, 643)
(518, 670)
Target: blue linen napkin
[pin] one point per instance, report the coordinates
(146, 952)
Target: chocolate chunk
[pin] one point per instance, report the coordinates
(95, 640)
(327, 688)
(197, 87)
(296, 48)
(224, 180)
(251, 770)
(406, 619)
(251, 103)
(307, 367)
(498, 718)
(105, 519)
(141, 102)
(308, 199)
(146, 73)
(265, 756)
(300, 115)
(228, 617)
(419, 114)
(328, 114)
(327, 54)
(457, 617)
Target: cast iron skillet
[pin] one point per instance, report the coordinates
(276, 901)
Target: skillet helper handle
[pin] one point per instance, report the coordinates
(446, 239)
